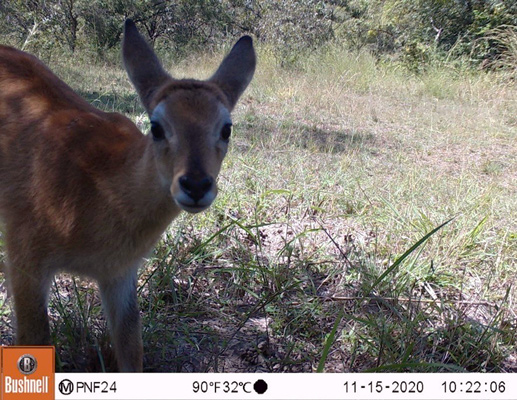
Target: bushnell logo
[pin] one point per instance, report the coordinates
(28, 373)
(27, 364)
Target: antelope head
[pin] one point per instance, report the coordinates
(190, 119)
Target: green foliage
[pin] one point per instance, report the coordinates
(416, 32)
(102, 22)
(294, 27)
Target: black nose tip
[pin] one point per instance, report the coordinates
(196, 188)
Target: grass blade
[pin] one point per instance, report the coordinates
(407, 254)
(329, 341)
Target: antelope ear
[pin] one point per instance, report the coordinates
(143, 67)
(236, 71)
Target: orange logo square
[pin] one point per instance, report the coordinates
(28, 373)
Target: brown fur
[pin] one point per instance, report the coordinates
(84, 191)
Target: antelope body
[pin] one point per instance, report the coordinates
(86, 192)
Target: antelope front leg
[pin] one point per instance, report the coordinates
(121, 307)
(30, 295)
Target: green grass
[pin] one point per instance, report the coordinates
(338, 167)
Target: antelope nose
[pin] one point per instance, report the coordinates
(196, 189)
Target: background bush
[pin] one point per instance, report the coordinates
(414, 32)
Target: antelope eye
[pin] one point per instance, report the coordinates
(157, 131)
(226, 132)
